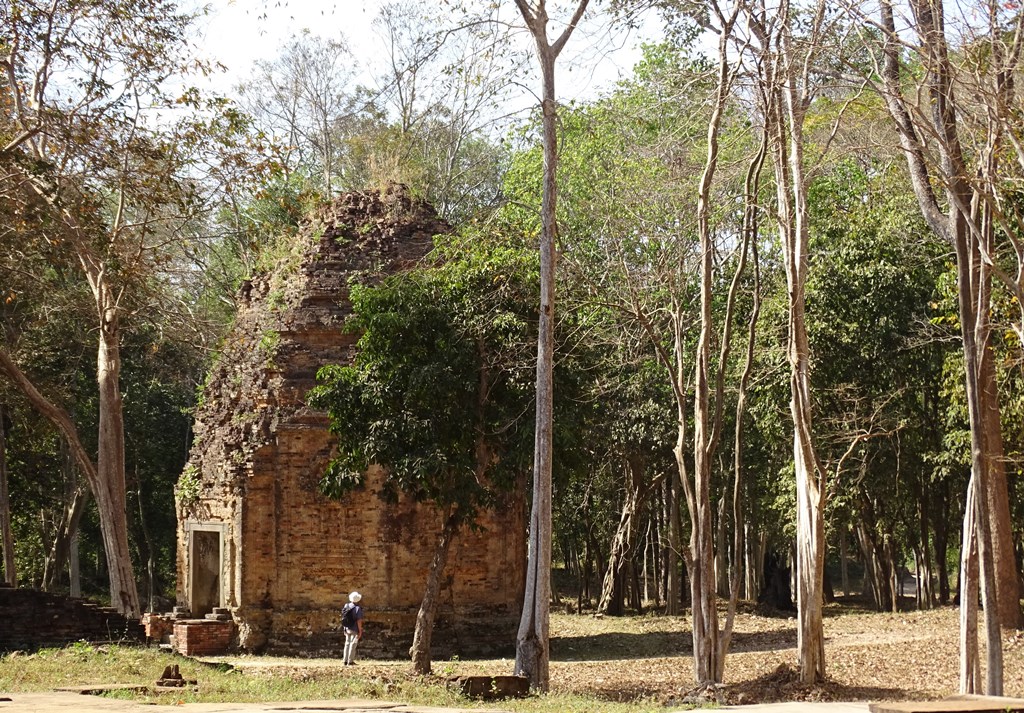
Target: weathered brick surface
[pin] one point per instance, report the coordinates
(290, 555)
(158, 627)
(30, 619)
(201, 637)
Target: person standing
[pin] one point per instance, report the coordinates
(352, 622)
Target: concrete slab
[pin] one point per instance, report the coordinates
(801, 707)
(954, 704)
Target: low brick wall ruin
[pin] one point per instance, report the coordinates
(31, 619)
(203, 637)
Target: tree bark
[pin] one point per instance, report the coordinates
(997, 498)
(420, 650)
(532, 652)
(787, 103)
(967, 227)
(111, 495)
(611, 589)
(673, 572)
(6, 534)
(970, 665)
(64, 538)
(844, 557)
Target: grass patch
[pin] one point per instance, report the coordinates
(84, 664)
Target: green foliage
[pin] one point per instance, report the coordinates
(441, 388)
(189, 487)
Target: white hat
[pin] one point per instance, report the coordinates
(355, 597)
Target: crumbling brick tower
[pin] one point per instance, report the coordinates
(254, 533)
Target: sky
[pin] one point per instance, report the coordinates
(237, 33)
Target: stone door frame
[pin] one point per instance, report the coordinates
(192, 527)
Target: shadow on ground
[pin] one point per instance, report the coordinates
(618, 645)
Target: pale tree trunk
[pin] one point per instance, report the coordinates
(110, 494)
(844, 557)
(740, 543)
(6, 534)
(150, 554)
(532, 645)
(707, 416)
(967, 227)
(420, 650)
(674, 575)
(74, 569)
(721, 551)
(750, 585)
(970, 667)
(788, 93)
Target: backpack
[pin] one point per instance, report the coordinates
(348, 616)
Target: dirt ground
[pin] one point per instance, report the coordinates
(869, 656)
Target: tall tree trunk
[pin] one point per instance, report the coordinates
(74, 567)
(6, 534)
(967, 227)
(844, 559)
(150, 554)
(970, 666)
(673, 571)
(532, 645)
(65, 537)
(997, 498)
(611, 589)
(740, 540)
(940, 528)
(111, 491)
(787, 92)
(420, 650)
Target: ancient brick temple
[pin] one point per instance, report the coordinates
(254, 533)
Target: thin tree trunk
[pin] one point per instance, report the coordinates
(150, 557)
(618, 556)
(420, 649)
(844, 559)
(532, 652)
(940, 526)
(786, 84)
(6, 533)
(740, 544)
(721, 551)
(967, 227)
(674, 575)
(970, 666)
(74, 567)
(64, 538)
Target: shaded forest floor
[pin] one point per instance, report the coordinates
(869, 656)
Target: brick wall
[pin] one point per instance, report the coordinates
(30, 619)
(202, 637)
